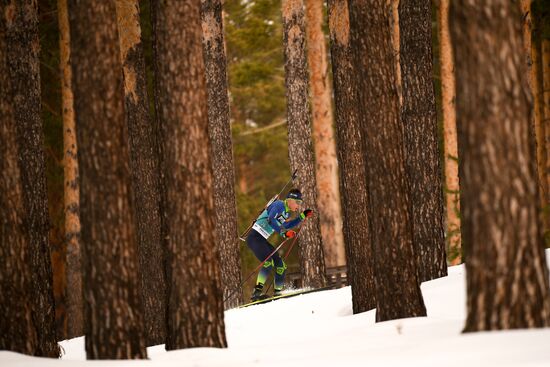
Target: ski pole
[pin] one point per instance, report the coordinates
(242, 237)
(254, 271)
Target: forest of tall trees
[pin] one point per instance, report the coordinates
(138, 139)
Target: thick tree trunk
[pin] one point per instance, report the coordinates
(390, 226)
(113, 309)
(299, 139)
(452, 188)
(507, 278)
(23, 64)
(419, 118)
(145, 170)
(222, 149)
(16, 321)
(73, 267)
(326, 164)
(195, 298)
(352, 161)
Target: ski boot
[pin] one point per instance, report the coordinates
(277, 292)
(257, 294)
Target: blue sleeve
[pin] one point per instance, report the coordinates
(292, 223)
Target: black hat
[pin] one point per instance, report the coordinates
(294, 194)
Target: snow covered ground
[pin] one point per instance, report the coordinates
(319, 329)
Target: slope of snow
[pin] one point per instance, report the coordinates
(319, 329)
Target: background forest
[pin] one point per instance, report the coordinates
(253, 31)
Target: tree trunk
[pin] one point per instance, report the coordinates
(23, 64)
(507, 278)
(222, 150)
(326, 164)
(352, 161)
(113, 310)
(299, 139)
(532, 52)
(145, 170)
(16, 321)
(452, 188)
(545, 63)
(397, 287)
(395, 43)
(195, 299)
(73, 267)
(419, 118)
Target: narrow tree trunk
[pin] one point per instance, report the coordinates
(195, 298)
(16, 321)
(222, 149)
(299, 139)
(326, 164)
(452, 188)
(23, 64)
(532, 25)
(397, 287)
(419, 118)
(507, 278)
(352, 161)
(545, 63)
(113, 309)
(145, 170)
(73, 267)
(395, 43)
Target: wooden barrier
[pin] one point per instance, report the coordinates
(337, 277)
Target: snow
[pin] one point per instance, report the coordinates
(319, 329)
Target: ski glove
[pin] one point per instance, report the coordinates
(306, 214)
(290, 233)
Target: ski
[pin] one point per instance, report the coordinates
(284, 295)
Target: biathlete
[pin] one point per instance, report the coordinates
(271, 228)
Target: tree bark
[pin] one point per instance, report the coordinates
(222, 150)
(113, 310)
(195, 299)
(419, 118)
(395, 40)
(16, 321)
(352, 161)
(448, 94)
(24, 70)
(507, 278)
(300, 148)
(326, 164)
(73, 267)
(545, 64)
(397, 287)
(145, 170)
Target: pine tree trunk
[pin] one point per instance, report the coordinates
(390, 226)
(195, 298)
(222, 150)
(452, 187)
(507, 278)
(352, 161)
(145, 170)
(419, 118)
(23, 64)
(16, 321)
(73, 267)
(300, 147)
(113, 310)
(326, 164)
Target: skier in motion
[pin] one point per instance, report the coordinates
(273, 226)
